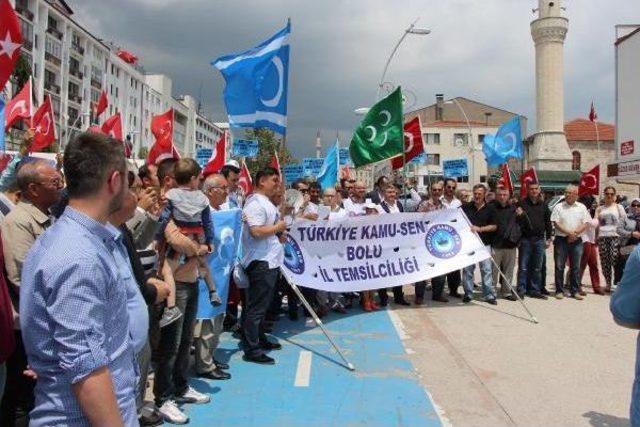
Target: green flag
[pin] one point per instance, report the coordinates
(380, 135)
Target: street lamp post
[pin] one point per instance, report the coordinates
(470, 142)
(411, 30)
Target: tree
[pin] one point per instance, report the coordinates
(267, 144)
(21, 74)
(143, 152)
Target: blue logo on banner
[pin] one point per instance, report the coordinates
(293, 258)
(443, 241)
(312, 166)
(203, 155)
(292, 173)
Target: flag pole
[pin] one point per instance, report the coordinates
(595, 123)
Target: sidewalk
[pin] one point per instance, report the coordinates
(490, 366)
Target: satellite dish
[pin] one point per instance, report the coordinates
(293, 199)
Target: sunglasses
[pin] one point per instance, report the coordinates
(635, 205)
(609, 194)
(304, 190)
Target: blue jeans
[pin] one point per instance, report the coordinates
(485, 274)
(530, 257)
(562, 249)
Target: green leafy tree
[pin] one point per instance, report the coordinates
(268, 143)
(143, 152)
(21, 73)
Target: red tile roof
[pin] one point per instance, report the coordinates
(585, 130)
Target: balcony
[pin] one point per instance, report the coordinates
(74, 97)
(76, 73)
(55, 32)
(96, 83)
(52, 87)
(24, 12)
(77, 49)
(52, 59)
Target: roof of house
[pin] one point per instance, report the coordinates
(585, 130)
(457, 123)
(628, 36)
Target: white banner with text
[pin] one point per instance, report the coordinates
(379, 251)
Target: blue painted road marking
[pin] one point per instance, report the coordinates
(383, 391)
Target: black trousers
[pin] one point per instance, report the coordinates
(18, 399)
(398, 294)
(262, 283)
(172, 373)
(437, 287)
(454, 279)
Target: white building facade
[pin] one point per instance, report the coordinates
(73, 66)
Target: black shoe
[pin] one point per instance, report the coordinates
(539, 296)
(511, 297)
(151, 419)
(402, 302)
(492, 301)
(543, 291)
(221, 365)
(216, 374)
(384, 303)
(440, 299)
(455, 294)
(466, 299)
(268, 345)
(262, 359)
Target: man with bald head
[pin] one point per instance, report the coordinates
(207, 331)
(354, 205)
(570, 219)
(39, 183)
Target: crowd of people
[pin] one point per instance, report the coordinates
(102, 262)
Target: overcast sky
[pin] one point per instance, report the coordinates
(479, 49)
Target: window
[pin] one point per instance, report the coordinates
(27, 30)
(75, 40)
(95, 95)
(575, 163)
(53, 47)
(49, 77)
(431, 138)
(74, 90)
(96, 73)
(433, 159)
(52, 22)
(480, 139)
(460, 139)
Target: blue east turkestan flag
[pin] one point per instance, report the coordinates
(257, 84)
(227, 227)
(505, 144)
(328, 175)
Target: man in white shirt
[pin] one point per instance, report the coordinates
(354, 205)
(570, 219)
(449, 199)
(335, 211)
(262, 238)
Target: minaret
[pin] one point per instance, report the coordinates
(318, 145)
(550, 150)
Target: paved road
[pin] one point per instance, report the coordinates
(308, 386)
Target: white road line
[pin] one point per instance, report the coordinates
(397, 323)
(303, 373)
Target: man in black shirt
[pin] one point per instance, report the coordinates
(505, 242)
(483, 222)
(534, 218)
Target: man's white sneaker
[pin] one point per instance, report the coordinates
(171, 414)
(193, 396)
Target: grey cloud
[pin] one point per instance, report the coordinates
(478, 49)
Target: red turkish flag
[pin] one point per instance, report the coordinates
(44, 126)
(505, 179)
(528, 177)
(590, 182)
(162, 129)
(127, 56)
(217, 159)
(593, 116)
(113, 127)
(103, 103)
(10, 41)
(19, 107)
(245, 180)
(275, 162)
(413, 144)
